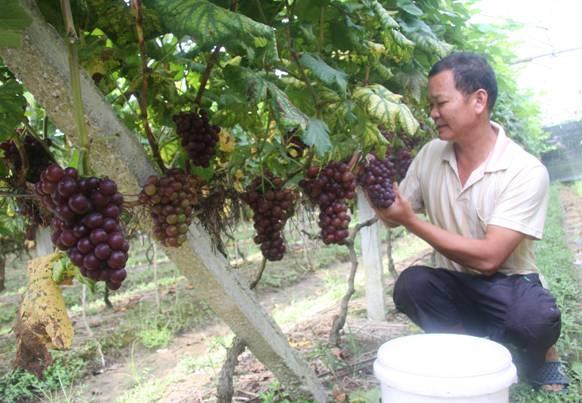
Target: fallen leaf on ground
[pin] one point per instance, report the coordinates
(42, 322)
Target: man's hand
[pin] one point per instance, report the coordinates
(399, 213)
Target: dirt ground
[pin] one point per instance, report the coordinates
(251, 377)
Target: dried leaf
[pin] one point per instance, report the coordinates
(42, 321)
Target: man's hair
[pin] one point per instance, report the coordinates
(471, 73)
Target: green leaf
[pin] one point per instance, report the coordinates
(409, 7)
(383, 15)
(286, 114)
(210, 25)
(12, 106)
(424, 37)
(13, 22)
(317, 135)
(324, 71)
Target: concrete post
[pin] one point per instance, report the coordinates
(371, 260)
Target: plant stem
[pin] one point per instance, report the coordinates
(143, 99)
(259, 274)
(75, 78)
(340, 319)
(209, 66)
(206, 75)
(296, 59)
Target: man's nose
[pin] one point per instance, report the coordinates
(434, 113)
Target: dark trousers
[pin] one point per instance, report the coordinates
(515, 310)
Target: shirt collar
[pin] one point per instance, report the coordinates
(495, 162)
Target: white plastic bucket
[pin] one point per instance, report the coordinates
(431, 368)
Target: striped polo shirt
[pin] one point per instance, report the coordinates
(510, 189)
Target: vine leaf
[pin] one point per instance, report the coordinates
(286, 114)
(386, 108)
(12, 106)
(409, 7)
(210, 25)
(13, 22)
(42, 321)
(424, 37)
(383, 15)
(324, 71)
(317, 135)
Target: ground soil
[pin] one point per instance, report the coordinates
(251, 376)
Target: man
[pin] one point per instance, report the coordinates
(486, 199)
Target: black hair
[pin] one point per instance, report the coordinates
(471, 73)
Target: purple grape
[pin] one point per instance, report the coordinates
(98, 235)
(79, 203)
(117, 260)
(116, 241)
(93, 220)
(91, 262)
(107, 187)
(102, 251)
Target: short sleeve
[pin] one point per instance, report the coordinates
(523, 204)
(410, 186)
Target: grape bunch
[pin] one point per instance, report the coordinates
(376, 178)
(330, 188)
(171, 200)
(198, 136)
(36, 153)
(272, 206)
(401, 160)
(86, 222)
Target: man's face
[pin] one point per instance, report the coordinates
(453, 112)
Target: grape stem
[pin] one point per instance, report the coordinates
(209, 66)
(143, 99)
(75, 78)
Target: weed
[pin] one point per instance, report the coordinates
(19, 384)
(276, 394)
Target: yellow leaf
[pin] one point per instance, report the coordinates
(42, 322)
(226, 141)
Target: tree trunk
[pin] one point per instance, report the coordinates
(41, 64)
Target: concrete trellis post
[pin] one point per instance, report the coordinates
(371, 260)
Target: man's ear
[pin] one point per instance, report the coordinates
(480, 97)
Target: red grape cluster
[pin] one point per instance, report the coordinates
(330, 189)
(272, 206)
(171, 200)
(36, 153)
(376, 178)
(86, 222)
(401, 160)
(198, 136)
